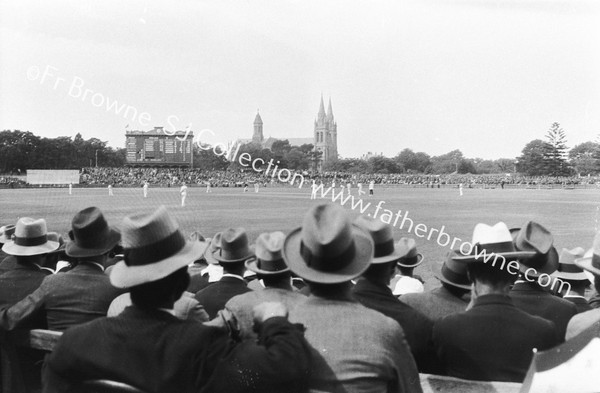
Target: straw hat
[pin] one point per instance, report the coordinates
(30, 238)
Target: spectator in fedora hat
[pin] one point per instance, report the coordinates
(233, 252)
(542, 258)
(7, 262)
(149, 348)
(451, 297)
(493, 340)
(573, 281)
(84, 292)
(29, 245)
(404, 282)
(355, 348)
(591, 263)
(372, 290)
(270, 268)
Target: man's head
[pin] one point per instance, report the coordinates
(30, 242)
(156, 255)
(328, 249)
(269, 265)
(591, 261)
(92, 239)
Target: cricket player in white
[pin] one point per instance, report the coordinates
(360, 190)
(371, 187)
(70, 188)
(349, 186)
(208, 187)
(145, 189)
(256, 187)
(313, 192)
(110, 190)
(183, 192)
(460, 189)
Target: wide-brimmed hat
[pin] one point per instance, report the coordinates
(591, 259)
(213, 245)
(453, 272)
(154, 247)
(538, 240)
(492, 240)
(567, 269)
(30, 238)
(269, 259)
(6, 232)
(328, 248)
(234, 246)
(384, 249)
(91, 234)
(410, 257)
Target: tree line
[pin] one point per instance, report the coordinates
(21, 150)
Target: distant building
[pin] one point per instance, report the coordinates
(371, 155)
(324, 135)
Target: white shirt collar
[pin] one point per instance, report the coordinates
(233, 275)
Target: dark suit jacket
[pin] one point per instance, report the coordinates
(436, 303)
(534, 300)
(9, 262)
(493, 341)
(19, 282)
(198, 282)
(579, 302)
(156, 352)
(416, 326)
(214, 297)
(80, 295)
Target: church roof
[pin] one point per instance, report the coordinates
(257, 119)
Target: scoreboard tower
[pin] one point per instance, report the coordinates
(159, 147)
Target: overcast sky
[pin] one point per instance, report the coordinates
(485, 77)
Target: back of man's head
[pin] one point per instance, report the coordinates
(493, 277)
(161, 293)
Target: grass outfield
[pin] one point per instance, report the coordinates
(572, 215)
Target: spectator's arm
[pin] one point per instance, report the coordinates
(23, 311)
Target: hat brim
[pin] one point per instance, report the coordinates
(252, 265)
(73, 250)
(13, 249)
(549, 267)
(219, 259)
(387, 258)
(581, 276)
(362, 259)
(507, 255)
(438, 274)
(420, 259)
(123, 276)
(586, 264)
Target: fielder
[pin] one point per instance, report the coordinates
(360, 190)
(110, 190)
(70, 188)
(313, 192)
(371, 187)
(145, 188)
(183, 192)
(208, 187)
(256, 187)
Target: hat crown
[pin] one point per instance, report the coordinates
(140, 230)
(88, 226)
(485, 234)
(233, 245)
(7, 230)
(567, 257)
(534, 237)
(380, 232)
(407, 247)
(269, 246)
(327, 231)
(30, 228)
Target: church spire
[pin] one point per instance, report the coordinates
(321, 115)
(329, 111)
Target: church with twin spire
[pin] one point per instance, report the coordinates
(324, 134)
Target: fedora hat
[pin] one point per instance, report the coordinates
(538, 240)
(452, 272)
(213, 245)
(91, 234)
(153, 247)
(567, 269)
(384, 249)
(494, 240)
(328, 248)
(6, 232)
(591, 259)
(30, 238)
(234, 246)
(410, 257)
(269, 259)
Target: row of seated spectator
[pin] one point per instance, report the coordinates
(310, 310)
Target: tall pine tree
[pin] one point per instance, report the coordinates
(555, 152)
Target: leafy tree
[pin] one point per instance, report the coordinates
(555, 151)
(585, 158)
(505, 165)
(413, 162)
(531, 162)
(380, 164)
(451, 162)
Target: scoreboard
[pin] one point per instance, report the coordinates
(158, 147)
